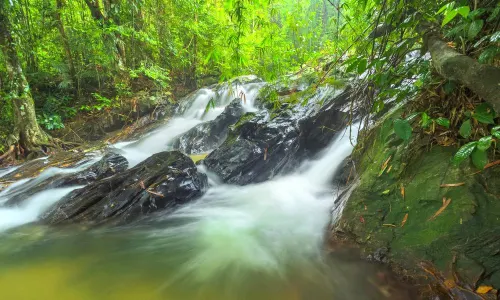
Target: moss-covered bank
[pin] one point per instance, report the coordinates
(398, 206)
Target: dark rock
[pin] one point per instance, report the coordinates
(109, 165)
(263, 145)
(160, 183)
(209, 135)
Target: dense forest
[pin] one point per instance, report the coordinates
(74, 58)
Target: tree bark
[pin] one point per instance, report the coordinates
(26, 130)
(115, 39)
(484, 80)
(65, 40)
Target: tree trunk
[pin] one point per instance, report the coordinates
(65, 40)
(484, 80)
(115, 39)
(26, 130)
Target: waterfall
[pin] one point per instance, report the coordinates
(193, 114)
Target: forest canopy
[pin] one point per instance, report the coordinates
(85, 56)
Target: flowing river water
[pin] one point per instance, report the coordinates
(262, 241)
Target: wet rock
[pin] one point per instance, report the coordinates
(160, 183)
(107, 166)
(209, 135)
(263, 145)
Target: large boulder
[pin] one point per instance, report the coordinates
(209, 135)
(265, 144)
(107, 166)
(160, 183)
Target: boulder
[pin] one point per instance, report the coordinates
(107, 166)
(263, 145)
(160, 183)
(209, 135)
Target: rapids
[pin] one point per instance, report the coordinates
(260, 241)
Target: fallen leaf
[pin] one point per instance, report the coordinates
(361, 219)
(389, 225)
(384, 166)
(446, 202)
(403, 191)
(155, 193)
(484, 289)
(449, 283)
(141, 184)
(452, 184)
(404, 220)
(265, 153)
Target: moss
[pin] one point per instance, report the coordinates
(375, 218)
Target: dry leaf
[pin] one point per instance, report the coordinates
(361, 219)
(389, 170)
(366, 208)
(389, 225)
(141, 184)
(265, 153)
(484, 289)
(155, 193)
(452, 184)
(446, 202)
(449, 283)
(384, 166)
(404, 220)
(403, 191)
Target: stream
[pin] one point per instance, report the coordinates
(259, 241)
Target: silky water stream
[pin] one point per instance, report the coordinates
(257, 242)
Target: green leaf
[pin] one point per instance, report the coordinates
(489, 54)
(464, 11)
(495, 131)
(479, 158)
(443, 122)
(484, 143)
(484, 113)
(466, 129)
(426, 120)
(449, 16)
(403, 129)
(474, 28)
(378, 106)
(362, 66)
(443, 8)
(464, 152)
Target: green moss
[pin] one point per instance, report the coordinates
(375, 218)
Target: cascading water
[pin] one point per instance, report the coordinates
(262, 241)
(195, 113)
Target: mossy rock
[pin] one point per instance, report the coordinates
(397, 205)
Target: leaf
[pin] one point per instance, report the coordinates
(412, 116)
(362, 66)
(495, 131)
(443, 122)
(464, 11)
(466, 129)
(449, 16)
(404, 220)
(386, 192)
(464, 152)
(474, 28)
(384, 166)
(426, 120)
(484, 143)
(484, 113)
(403, 129)
(446, 202)
(479, 158)
(452, 184)
(484, 289)
(489, 54)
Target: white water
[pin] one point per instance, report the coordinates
(31, 209)
(263, 227)
(191, 116)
